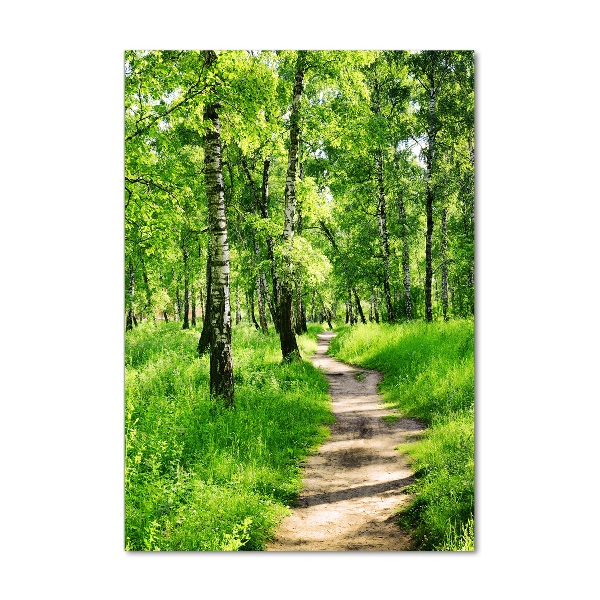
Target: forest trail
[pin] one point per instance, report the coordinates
(356, 483)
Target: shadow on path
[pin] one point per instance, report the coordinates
(357, 482)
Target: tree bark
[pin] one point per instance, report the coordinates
(262, 315)
(200, 294)
(238, 311)
(264, 211)
(260, 289)
(131, 291)
(405, 261)
(300, 310)
(444, 256)
(383, 232)
(186, 289)
(205, 334)
(382, 216)
(429, 194)
(201, 303)
(149, 307)
(266, 295)
(221, 360)
(351, 317)
(289, 346)
(193, 295)
(328, 318)
(178, 300)
(358, 306)
(471, 201)
(250, 301)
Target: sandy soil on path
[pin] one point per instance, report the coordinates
(356, 483)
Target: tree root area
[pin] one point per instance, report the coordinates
(356, 484)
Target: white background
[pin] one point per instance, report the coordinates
(62, 300)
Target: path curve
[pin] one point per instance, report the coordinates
(357, 482)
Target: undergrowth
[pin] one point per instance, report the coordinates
(428, 373)
(199, 476)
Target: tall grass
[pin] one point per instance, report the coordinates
(199, 476)
(428, 374)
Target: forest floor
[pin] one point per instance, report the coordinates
(356, 483)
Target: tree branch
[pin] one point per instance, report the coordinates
(191, 93)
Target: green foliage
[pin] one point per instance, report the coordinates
(428, 374)
(462, 540)
(356, 106)
(202, 477)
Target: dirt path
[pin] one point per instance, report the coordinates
(356, 483)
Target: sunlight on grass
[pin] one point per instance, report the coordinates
(199, 476)
(428, 374)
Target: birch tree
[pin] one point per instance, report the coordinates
(289, 346)
(221, 361)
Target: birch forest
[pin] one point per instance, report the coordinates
(271, 196)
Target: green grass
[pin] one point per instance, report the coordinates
(199, 476)
(428, 374)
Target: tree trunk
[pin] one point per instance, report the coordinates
(383, 233)
(471, 198)
(375, 307)
(444, 256)
(262, 202)
(131, 291)
(382, 214)
(265, 290)
(429, 195)
(250, 300)
(351, 317)
(166, 316)
(178, 301)
(205, 334)
(262, 315)
(358, 306)
(200, 294)
(260, 290)
(186, 289)
(405, 261)
(238, 311)
(193, 294)
(264, 211)
(273, 311)
(289, 347)
(300, 311)
(201, 303)
(221, 361)
(147, 288)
